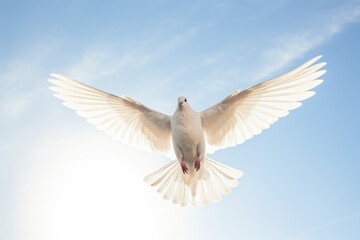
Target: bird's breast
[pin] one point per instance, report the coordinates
(187, 133)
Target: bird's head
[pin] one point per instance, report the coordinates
(182, 101)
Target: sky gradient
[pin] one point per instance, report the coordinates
(61, 178)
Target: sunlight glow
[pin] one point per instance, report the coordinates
(78, 192)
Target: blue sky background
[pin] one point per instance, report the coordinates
(60, 178)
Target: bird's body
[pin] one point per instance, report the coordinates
(187, 135)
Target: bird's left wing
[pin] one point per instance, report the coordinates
(243, 114)
(119, 116)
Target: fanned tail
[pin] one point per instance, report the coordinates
(196, 188)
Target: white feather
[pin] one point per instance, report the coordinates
(197, 188)
(244, 114)
(120, 117)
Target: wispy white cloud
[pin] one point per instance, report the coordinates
(102, 61)
(22, 79)
(180, 38)
(15, 106)
(212, 59)
(97, 64)
(19, 86)
(262, 63)
(166, 81)
(294, 45)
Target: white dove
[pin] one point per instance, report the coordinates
(192, 178)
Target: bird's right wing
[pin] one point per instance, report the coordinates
(120, 117)
(243, 114)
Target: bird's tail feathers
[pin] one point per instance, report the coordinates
(195, 188)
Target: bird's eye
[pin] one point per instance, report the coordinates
(185, 100)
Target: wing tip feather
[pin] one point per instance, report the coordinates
(317, 57)
(56, 75)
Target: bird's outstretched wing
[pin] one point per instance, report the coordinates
(120, 117)
(243, 114)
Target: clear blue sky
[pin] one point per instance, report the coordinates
(60, 178)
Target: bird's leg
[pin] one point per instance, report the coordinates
(197, 163)
(200, 150)
(180, 157)
(183, 166)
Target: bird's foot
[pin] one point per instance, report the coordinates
(197, 164)
(184, 167)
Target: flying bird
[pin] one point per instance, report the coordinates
(187, 136)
